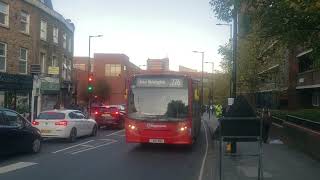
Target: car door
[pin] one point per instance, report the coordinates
(74, 119)
(84, 123)
(4, 136)
(17, 134)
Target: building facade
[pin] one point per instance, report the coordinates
(35, 40)
(158, 64)
(111, 70)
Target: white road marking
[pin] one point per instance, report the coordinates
(16, 166)
(278, 125)
(205, 154)
(94, 147)
(85, 145)
(72, 147)
(115, 133)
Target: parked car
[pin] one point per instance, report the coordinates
(17, 134)
(109, 116)
(67, 124)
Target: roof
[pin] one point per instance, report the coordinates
(45, 8)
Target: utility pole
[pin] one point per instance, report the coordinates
(235, 45)
(89, 72)
(202, 62)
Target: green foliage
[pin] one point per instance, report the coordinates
(222, 9)
(291, 23)
(226, 52)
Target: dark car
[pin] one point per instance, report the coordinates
(17, 134)
(109, 116)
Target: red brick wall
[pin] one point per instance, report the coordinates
(117, 84)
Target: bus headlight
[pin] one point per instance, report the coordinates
(132, 127)
(182, 129)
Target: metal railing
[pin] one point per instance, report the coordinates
(296, 120)
(304, 122)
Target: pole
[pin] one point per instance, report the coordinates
(89, 71)
(212, 81)
(235, 43)
(230, 93)
(202, 94)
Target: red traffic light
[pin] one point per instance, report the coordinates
(90, 79)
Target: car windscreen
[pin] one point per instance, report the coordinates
(51, 115)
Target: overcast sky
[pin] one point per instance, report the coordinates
(144, 29)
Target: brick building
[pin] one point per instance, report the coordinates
(113, 69)
(36, 39)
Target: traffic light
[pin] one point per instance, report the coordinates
(90, 88)
(90, 85)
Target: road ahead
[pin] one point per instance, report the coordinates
(106, 156)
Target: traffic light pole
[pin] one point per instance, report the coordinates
(89, 71)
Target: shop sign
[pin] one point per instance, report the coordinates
(50, 84)
(53, 70)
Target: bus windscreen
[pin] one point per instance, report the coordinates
(158, 99)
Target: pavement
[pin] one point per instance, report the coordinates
(280, 162)
(107, 156)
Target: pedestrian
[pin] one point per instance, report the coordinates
(56, 106)
(211, 109)
(267, 122)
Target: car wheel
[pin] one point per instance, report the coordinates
(73, 135)
(94, 130)
(36, 145)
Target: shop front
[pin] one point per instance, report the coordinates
(16, 92)
(50, 93)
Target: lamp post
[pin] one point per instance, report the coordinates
(230, 26)
(212, 63)
(202, 61)
(89, 70)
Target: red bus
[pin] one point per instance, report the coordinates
(162, 108)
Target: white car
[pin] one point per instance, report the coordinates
(68, 124)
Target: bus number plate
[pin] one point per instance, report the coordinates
(156, 141)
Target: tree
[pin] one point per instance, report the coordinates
(226, 52)
(292, 24)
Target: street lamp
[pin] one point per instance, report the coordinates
(230, 40)
(212, 63)
(202, 59)
(89, 67)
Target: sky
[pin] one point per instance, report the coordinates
(144, 29)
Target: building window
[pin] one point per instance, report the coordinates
(112, 70)
(316, 98)
(69, 70)
(64, 68)
(56, 35)
(64, 40)
(70, 44)
(4, 14)
(43, 61)
(43, 30)
(23, 61)
(25, 22)
(3, 56)
(54, 62)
